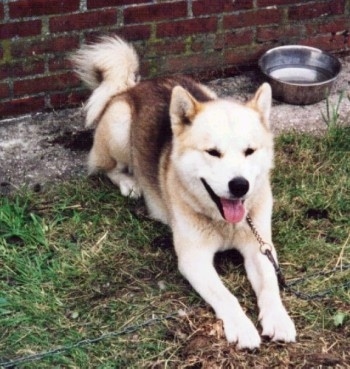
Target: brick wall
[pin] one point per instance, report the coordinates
(202, 37)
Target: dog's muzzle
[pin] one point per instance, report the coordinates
(232, 210)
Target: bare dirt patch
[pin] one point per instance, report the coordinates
(203, 346)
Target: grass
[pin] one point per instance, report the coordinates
(78, 261)
(331, 116)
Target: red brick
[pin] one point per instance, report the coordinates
(253, 18)
(221, 6)
(275, 33)
(191, 63)
(334, 26)
(262, 3)
(311, 28)
(328, 42)
(187, 27)
(4, 90)
(83, 20)
(202, 43)
(20, 29)
(45, 84)
(21, 106)
(47, 45)
(316, 10)
(165, 48)
(137, 32)
(234, 39)
(155, 12)
(58, 64)
(245, 55)
(22, 68)
(130, 33)
(92, 4)
(30, 8)
(68, 99)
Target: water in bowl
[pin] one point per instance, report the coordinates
(300, 74)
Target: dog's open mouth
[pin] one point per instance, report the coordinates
(232, 211)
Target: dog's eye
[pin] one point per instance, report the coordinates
(214, 152)
(249, 151)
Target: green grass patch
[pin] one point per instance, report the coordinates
(78, 261)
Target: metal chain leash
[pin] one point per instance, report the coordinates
(87, 341)
(266, 249)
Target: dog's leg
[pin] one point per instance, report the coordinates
(274, 318)
(110, 152)
(195, 258)
(100, 160)
(125, 181)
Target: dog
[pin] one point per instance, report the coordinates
(201, 163)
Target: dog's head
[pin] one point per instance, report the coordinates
(222, 150)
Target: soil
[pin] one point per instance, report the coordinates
(203, 345)
(44, 148)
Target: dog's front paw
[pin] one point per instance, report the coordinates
(240, 330)
(277, 324)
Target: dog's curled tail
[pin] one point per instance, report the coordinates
(107, 67)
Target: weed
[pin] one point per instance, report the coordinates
(331, 117)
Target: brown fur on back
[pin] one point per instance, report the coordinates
(151, 128)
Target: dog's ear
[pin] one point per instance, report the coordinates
(262, 102)
(183, 109)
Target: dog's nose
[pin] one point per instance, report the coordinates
(238, 186)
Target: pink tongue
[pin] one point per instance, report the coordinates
(233, 210)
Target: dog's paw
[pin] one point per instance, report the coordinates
(128, 187)
(241, 330)
(277, 324)
(126, 183)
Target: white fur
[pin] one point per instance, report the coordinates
(118, 64)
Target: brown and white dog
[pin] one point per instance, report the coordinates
(201, 163)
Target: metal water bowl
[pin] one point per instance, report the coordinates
(299, 75)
